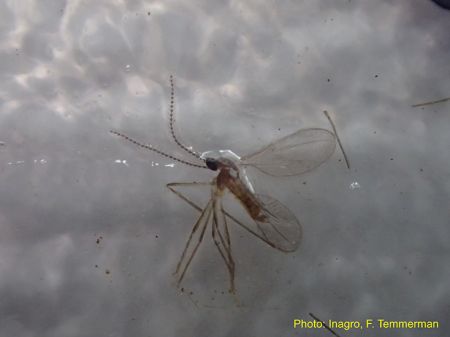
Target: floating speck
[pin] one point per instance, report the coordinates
(119, 161)
(19, 162)
(354, 185)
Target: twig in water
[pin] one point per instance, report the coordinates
(337, 137)
(324, 324)
(432, 102)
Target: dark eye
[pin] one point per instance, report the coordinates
(211, 164)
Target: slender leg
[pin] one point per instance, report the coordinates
(248, 229)
(198, 208)
(223, 244)
(199, 223)
(181, 196)
(202, 224)
(228, 240)
(227, 233)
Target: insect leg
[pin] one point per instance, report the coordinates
(260, 234)
(201, 225)
(181, 196)
(222, 241)
(230, 255)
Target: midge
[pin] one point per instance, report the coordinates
(274, 224)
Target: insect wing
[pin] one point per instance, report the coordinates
(297, 153)
(280, 229)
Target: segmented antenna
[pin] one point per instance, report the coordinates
(172, 121)
(151, 148)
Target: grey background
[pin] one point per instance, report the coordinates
(247, 73)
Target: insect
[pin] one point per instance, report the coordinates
(274, 224)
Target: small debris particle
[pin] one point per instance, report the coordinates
(107, 272)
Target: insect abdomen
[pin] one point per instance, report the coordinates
(242, 193)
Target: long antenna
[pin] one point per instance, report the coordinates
(151, 148)
(172, 122)
(337, 137)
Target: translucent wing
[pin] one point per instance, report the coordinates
(280, 228)
(294, 154)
